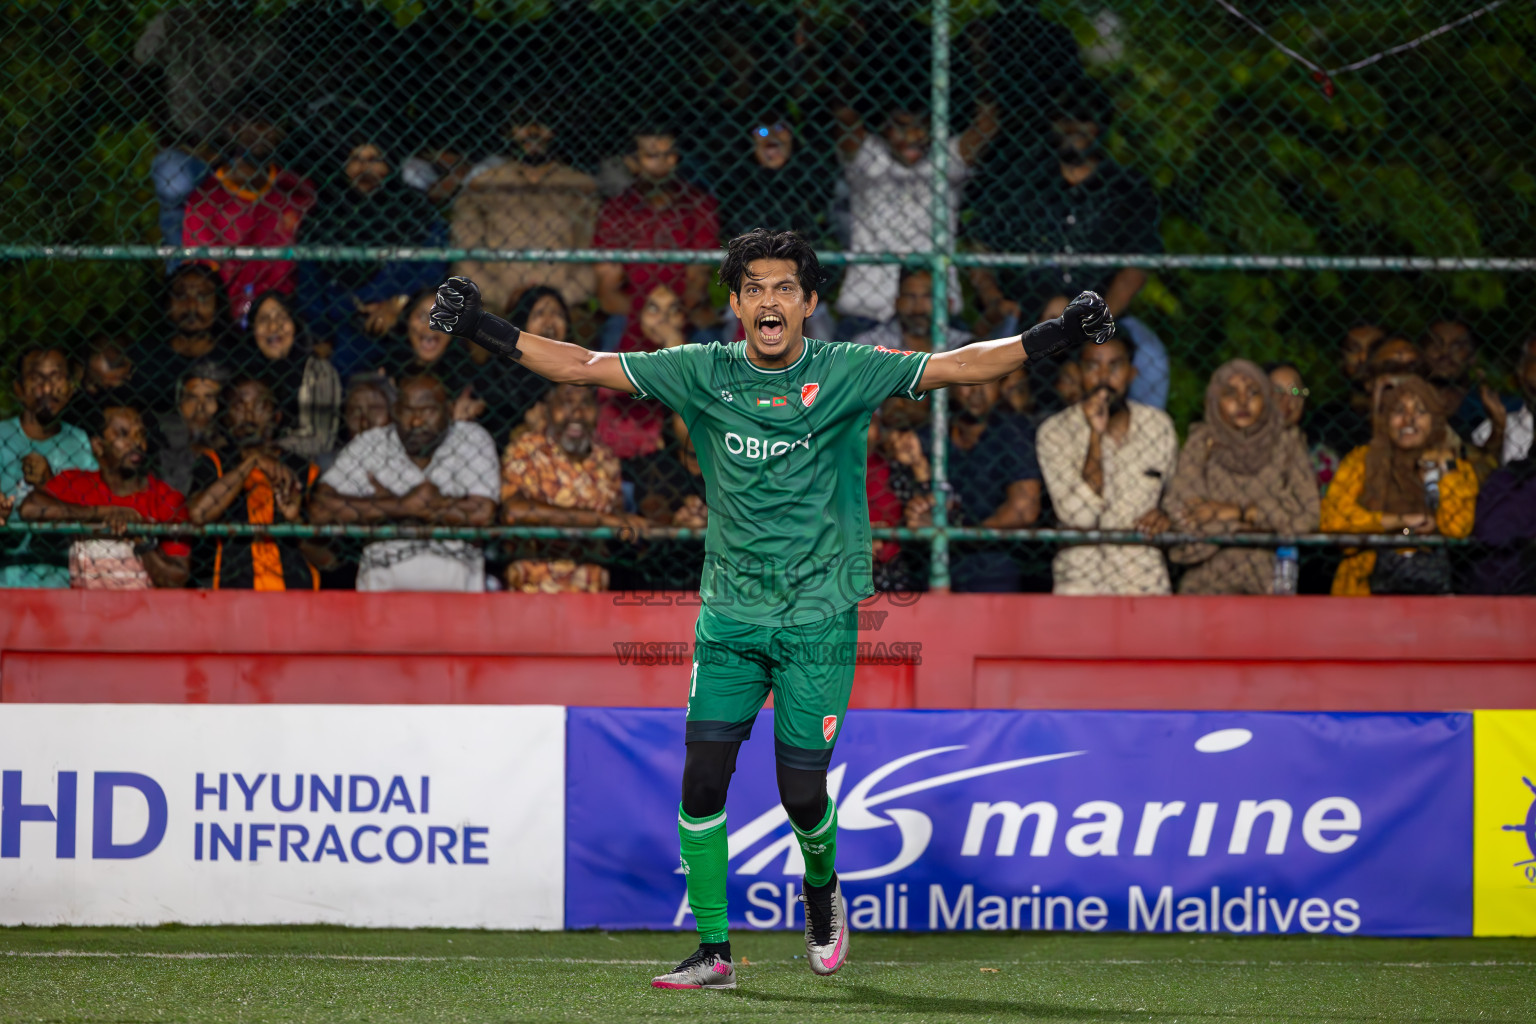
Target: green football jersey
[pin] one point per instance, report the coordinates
(783, 455)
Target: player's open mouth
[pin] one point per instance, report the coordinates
(771, 327)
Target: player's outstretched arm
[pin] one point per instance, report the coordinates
(1085, 319)
(460, 312)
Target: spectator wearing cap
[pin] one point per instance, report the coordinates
(889, 174)
(35, 445)
(119, 493)
(1242, 470)
(562, 476)
(527, 198)
(192, 427)
(255, 483)
(249, 200)
(659, 210)
(365, 203)
(1406, 479)
(1106, 461)
(425, 469)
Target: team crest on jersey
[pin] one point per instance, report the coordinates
(808, 393)
(895, 351)
(829, 727)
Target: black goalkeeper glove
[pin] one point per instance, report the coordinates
(460, 312)
(1085, 319)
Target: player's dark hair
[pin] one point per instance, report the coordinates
(762, 244)
(1125, 342)
(96, 425)
(911, 270)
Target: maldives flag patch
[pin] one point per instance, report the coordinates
(808, 393)
(829, 727)
(780, 400)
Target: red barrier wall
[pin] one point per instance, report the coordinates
(1012, 651)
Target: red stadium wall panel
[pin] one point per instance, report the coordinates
(943, 651)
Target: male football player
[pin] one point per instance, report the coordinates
(779, 423)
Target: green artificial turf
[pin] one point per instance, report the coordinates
(325, 974)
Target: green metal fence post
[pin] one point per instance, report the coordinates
(939, 262)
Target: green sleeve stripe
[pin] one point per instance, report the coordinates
(922, 364)
(640, 392)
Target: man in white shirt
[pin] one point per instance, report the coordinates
(912, 329)
(425, 468)
(890, 181)
(1106, 461)
(1509, 432)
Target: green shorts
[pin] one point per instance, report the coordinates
(808, 669)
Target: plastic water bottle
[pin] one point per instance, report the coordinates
(1287, 570)
(1431, 471)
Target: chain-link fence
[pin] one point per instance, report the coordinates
(222, 223)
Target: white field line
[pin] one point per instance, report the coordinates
(348, 957)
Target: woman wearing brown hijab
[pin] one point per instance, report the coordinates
(1240, 471)
(1380, 487)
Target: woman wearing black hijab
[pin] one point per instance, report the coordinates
(366, 204)
(280, 351)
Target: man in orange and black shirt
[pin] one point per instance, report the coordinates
(254, 482)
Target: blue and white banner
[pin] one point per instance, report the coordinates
(273, 814)
(1122, 821)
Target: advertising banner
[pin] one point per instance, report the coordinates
(1245, 823)
(268, 814)
(1504, 824)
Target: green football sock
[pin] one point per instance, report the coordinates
(820, 847)
(706, 854)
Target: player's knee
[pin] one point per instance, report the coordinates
(804, 795)
(706, 777)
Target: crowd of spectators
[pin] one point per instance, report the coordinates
(315, 392)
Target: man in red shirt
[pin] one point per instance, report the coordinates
(659, 211)
(120, 493)
(250, 200)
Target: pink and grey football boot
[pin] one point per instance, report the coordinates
(701, 970)
(826, 930)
